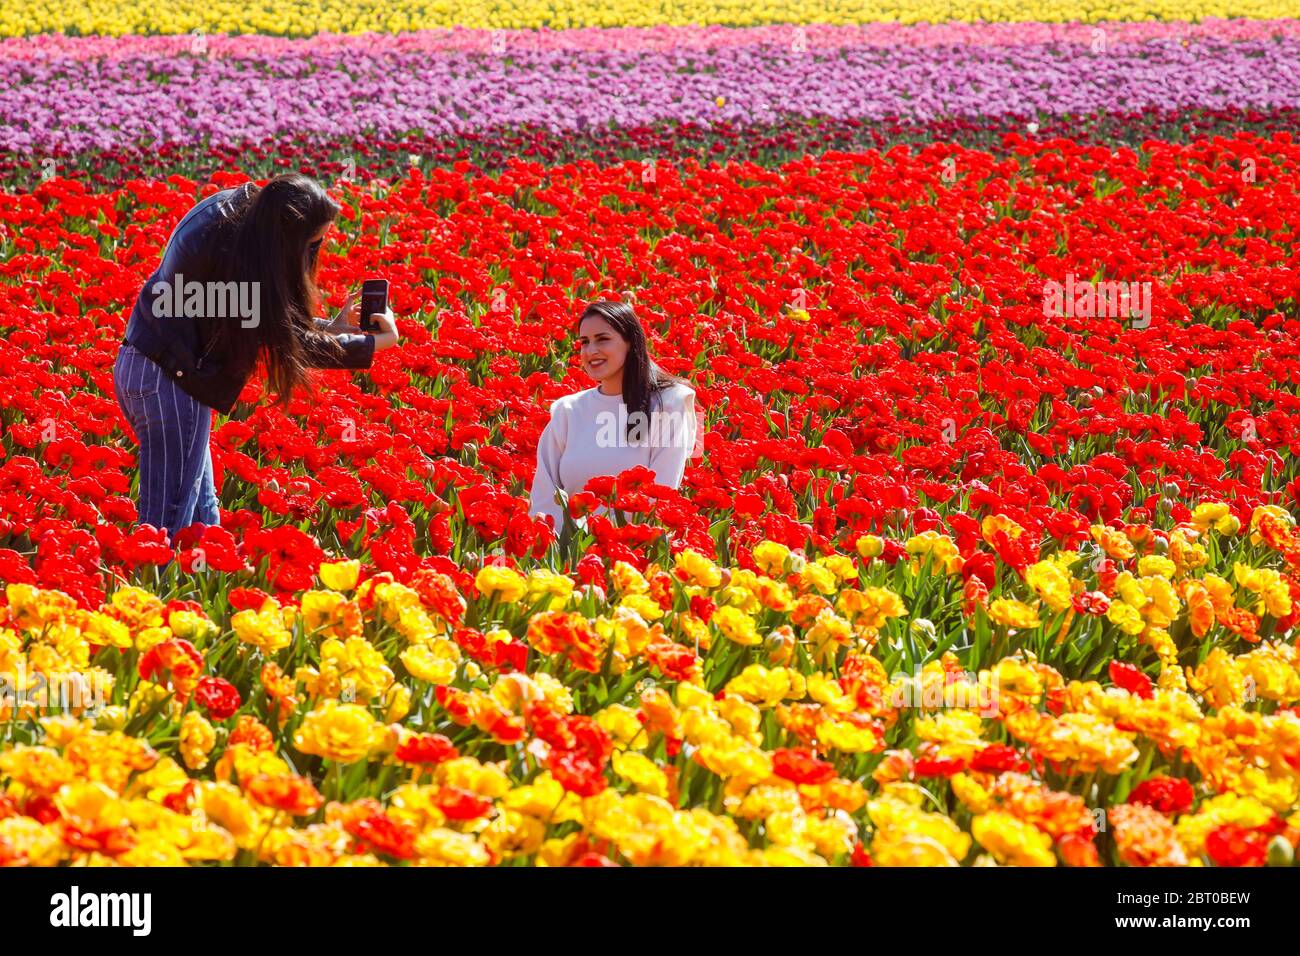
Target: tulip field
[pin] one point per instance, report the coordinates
(958, 580)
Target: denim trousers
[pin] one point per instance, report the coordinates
(175, 464)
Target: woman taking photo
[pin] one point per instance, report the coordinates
(636, 414)
(236, 285)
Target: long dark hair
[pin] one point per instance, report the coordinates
(642, 376)
(267, 240)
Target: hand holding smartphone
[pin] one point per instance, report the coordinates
(374, 301)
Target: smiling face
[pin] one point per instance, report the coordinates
(603, 352)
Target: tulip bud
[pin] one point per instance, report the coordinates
(779, 645)
(923, 630)
(1280, 851)
(871, 546)
(397, 703)
(1229, 525)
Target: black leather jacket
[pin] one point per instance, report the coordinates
(173, 340)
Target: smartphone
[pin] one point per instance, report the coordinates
(374, 298)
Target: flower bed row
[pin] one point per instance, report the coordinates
(917, 702)
(365, 159)
(663, 39)
(854, 363)
(70, 105)
(286, 18)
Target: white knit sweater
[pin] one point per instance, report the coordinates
(586, 438)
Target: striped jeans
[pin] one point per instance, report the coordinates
(175, 463)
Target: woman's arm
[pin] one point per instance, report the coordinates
(674, 439)
(546, 479)
(325, 350)
(349, 350)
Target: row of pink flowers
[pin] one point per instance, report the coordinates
(660, 38)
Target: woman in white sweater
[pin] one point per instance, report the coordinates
(637, 414)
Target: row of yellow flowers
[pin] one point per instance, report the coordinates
(282, 17)
(790, 711)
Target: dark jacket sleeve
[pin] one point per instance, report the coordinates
(353, 351)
